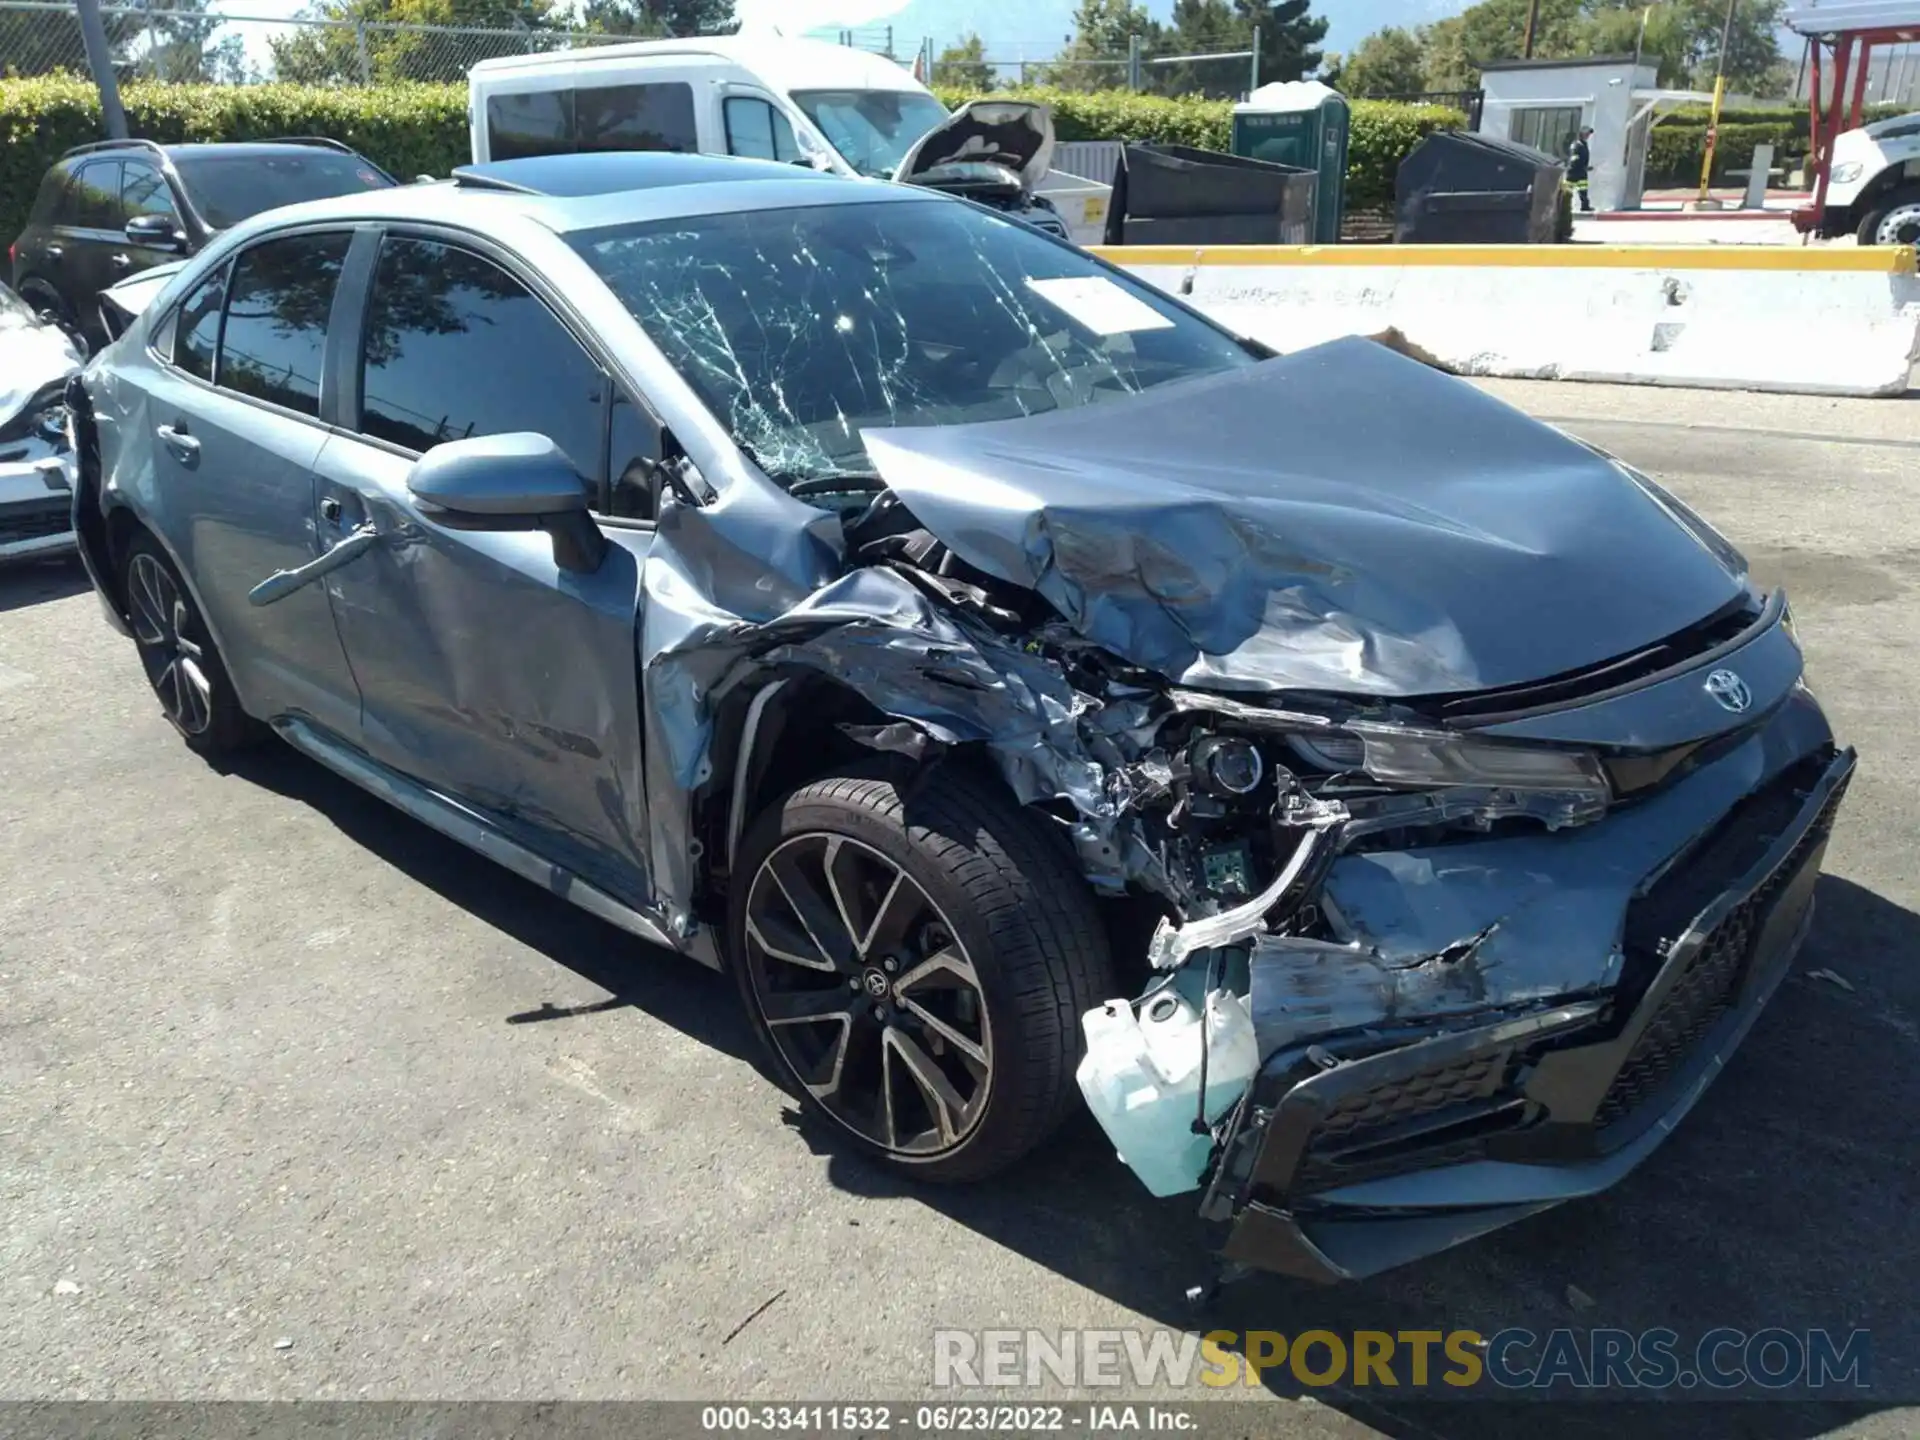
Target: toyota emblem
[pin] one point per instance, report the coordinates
(1729, 691)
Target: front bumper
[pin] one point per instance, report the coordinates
(1349, 1157)
(36, 506)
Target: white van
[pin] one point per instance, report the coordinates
(770, 98)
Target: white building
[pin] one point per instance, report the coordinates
(1543, 103)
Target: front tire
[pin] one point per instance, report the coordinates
(182, 663)
(1894, 219)
(916, 962)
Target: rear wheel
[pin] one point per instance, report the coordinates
(182, 664)
(1894, 219)
(917, 965)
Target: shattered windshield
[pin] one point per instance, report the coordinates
(872, 129)
(800, 327)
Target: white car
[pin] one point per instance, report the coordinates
(36, 491)
(793, 101)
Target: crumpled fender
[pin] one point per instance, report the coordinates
(745, 590)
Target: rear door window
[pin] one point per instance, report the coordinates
(456, 347)
(275, 335)
(758, 131)
(95, 197)
(636, 117)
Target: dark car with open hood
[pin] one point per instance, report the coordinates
(1383, 810)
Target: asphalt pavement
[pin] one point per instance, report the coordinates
(298, 1099)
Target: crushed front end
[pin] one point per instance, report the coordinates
(1483, 992)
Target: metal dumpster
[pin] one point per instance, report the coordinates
(1458, 187)
(1179, 195)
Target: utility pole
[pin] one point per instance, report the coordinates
(1705, 202)
(93, 34)
(1533, 24)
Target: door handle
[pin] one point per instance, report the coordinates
(120, 262)
(283, 583)
(185, 448)
(330, 510)
(54, 252)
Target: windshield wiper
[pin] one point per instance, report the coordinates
(848, 482)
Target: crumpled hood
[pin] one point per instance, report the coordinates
(1340, 519)
(1016, 135)
(124, 302)
(31, 357)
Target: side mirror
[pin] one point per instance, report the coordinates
(155, 232)
(510, 482)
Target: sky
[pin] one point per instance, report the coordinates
(1031, 30)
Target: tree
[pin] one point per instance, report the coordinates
(1289, 36)
(661, 17)
(1683, 39)
(332, 53)
(1496, 30)
(1388, 62)
(1201, 27)
(1095, 58)
(965, 65)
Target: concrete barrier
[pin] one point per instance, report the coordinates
(1824, 322)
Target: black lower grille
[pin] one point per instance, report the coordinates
(1471, 1077)
(35, 519)
(1408, 1122)
(1709, 985)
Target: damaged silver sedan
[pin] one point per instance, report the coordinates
(1387, 812)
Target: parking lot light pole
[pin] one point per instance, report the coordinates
(93, 34)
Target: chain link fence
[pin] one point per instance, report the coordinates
(1224, 75)
(38, 37)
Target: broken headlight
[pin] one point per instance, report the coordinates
(1227, 764)
(44, 417)
(1397, 756)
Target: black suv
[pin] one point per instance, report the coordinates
(108, 210)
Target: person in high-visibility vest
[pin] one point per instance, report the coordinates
(1579, 161)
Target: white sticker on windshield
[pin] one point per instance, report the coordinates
(1100, 305)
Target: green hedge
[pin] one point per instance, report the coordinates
(1675, 154)
(407, 129)
(1792, 116)
(422, 129)
(1383, 130)
(1680, 139)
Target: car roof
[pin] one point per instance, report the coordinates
(603, 172)
(587, 206)
(785, 63)
(119, 149)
